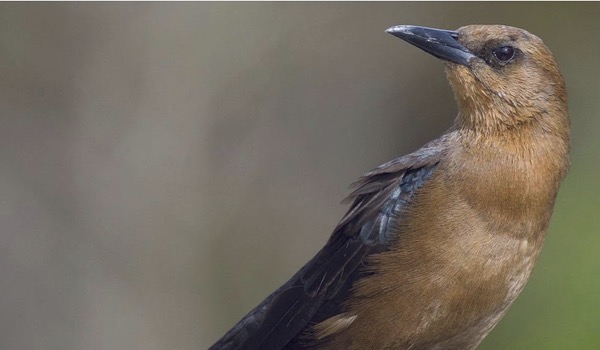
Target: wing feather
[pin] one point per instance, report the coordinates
(317, 291)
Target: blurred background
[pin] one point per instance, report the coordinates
(166, 166)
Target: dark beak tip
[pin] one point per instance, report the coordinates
(402, 29)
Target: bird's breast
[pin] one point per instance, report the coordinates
(459, 261)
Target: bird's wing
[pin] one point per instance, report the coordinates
(316, 292)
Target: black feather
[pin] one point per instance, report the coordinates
(318, 290)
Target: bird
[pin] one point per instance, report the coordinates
(437, 244)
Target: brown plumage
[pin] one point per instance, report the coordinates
(437, 244)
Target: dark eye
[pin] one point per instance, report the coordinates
(504, 53)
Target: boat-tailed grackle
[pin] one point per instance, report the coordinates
(438, 243)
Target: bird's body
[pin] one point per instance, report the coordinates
(452, 289)
(437, 244)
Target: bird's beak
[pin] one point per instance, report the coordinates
(441, 43)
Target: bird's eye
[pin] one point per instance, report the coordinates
(504, 53)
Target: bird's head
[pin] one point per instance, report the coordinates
(501, 76)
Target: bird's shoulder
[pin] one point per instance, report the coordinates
(317, 291)
(393, 182)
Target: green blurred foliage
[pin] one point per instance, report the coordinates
(166, 166)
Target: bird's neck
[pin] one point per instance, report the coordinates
(539, 141)
(522, 168)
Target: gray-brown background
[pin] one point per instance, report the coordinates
(166, 166)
